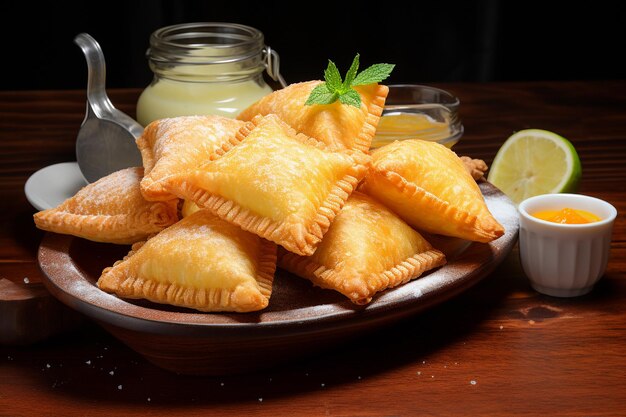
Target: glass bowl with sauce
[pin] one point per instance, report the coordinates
(564, 242)
(414, 111)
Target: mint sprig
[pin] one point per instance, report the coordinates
(334, 88)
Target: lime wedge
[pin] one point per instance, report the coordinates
(533, 162)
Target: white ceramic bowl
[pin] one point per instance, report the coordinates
(564, 260)
(52, 185)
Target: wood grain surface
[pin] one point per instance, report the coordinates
(498, 349)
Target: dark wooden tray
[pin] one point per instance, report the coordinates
(300, 319)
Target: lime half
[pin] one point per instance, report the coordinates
(533, 162)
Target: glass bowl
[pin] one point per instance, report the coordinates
(414, 111)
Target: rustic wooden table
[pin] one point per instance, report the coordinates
(498, 349)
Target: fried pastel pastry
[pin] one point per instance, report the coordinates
(427, 185)
(475, 167)
(179, 144)
(367, 249)
(338, 125)
(269, 180)
(110, 210)
(188, 208)
(201, 262)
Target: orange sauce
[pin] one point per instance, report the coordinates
(567, 216)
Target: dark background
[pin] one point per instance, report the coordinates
(429, 41)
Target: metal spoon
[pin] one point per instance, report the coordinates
(106, 140)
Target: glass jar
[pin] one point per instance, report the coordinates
(206, 68)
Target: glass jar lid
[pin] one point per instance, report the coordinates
(211, 52)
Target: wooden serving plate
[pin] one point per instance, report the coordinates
(300, 318)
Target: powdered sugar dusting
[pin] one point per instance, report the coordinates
(110, 195)
(192, 139)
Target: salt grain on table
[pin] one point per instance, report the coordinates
(119, 386)
(26, 280)
(473, 382)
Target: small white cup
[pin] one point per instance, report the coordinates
(564, 260)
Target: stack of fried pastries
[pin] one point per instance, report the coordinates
(284, 185)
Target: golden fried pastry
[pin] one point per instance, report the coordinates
(427, 185)
(179, 144)
(366, 250)
(338, 125)
(201, 262)
(282, 186)
(111, 210)
(475, 167)
(188, 208)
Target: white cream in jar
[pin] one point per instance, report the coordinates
(205, 68)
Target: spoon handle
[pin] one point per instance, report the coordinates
(96, 75)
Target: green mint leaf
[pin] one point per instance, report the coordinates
(321, 95)
(351, 74)
(374, 74)
(334, 89)
(332, 77)
(351, 97)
